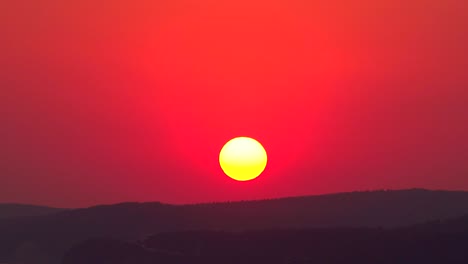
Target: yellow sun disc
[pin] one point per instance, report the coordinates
(243, 158)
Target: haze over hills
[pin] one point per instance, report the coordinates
(57, 232)
(10, 210)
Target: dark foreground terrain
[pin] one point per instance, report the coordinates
(340, 246)
(353, 227)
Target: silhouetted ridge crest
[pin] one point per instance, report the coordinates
(135, 221)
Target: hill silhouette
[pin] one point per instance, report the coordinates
(57, 233)
(20, 210)
(432, 245)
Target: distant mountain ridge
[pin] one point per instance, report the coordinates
(132, 221)
(11, 210)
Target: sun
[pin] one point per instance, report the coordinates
(243, 158)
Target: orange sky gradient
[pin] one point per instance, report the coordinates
(110, 101)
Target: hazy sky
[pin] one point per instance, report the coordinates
(109, 101)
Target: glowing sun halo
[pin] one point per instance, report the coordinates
(243, 158)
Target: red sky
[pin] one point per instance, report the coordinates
(110, 101)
